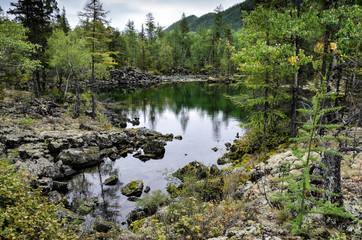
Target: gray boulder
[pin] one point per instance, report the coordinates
(81, 158)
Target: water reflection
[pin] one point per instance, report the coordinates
(179, 98)
(198, 111)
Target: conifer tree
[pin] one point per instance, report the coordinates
(184, 39)
(93, 20)
(150, 26)
(132, 42)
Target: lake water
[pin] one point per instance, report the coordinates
(198, 111)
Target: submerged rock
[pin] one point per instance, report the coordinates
(134, 188)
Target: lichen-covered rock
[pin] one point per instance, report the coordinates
(81, 158)
(113, 180)
(134, 188)
(33, 151)
(41, 167)
(2, 148)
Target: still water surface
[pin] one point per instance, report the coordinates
(197, 111)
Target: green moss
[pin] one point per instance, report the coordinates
(137, 224)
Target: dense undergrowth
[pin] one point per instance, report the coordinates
(25, 213)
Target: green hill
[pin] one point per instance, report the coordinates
(231, 16)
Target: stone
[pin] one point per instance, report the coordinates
(215, 149)
(46, 184)
(33, 150)
(134, 188)
(178, 137)
(214, 170)
(155, 149)
(194, 168)
(101, 225)
(80, 158)
(111, 181)
(61, 187)
(147, 189)
(222, 161)
(139, 213)
(243, 190)
(2, 148)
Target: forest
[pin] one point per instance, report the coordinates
(297, 66)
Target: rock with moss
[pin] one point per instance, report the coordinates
(178, 137)
(193, 169)
(134, 188)
(214, 170)
(111, 181)
(104, 226)
(154, 149)
(80, 158)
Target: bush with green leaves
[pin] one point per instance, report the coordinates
(24, 212)
(191, 219)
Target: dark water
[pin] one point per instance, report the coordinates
(197, 111)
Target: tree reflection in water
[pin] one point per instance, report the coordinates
(198, 111)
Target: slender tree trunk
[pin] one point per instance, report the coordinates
(294, 130)
(35, 87)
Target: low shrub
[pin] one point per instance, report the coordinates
(24, 212)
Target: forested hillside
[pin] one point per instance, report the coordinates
(232, 17)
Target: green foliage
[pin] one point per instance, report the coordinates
(299, 197)
(26, 121)
(153, 200)
(24, 213)
(190, 219)
(16, 51)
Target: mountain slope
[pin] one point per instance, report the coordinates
(231, 17)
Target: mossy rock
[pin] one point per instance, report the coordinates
(223, 161)
(111, 181)
(134, 188)
(178, 137)
(101, 225)
(214, 170)
(193, 169)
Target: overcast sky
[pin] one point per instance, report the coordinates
(165, 12)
